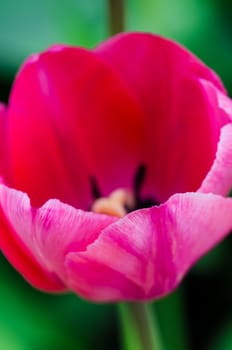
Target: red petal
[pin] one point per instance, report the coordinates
(71, 118)
(181, 131)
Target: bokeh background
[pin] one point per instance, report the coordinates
(199, 314)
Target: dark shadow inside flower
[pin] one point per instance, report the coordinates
(138, 183)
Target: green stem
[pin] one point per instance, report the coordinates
(138, 328)
(116, 17)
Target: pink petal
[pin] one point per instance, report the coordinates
(165, 80)
(71, 118)
(16, 248)
(146, 254)
(98, 282)
(4, 166)
(219, 178)
(45, 235)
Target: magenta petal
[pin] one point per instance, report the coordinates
(219, 177)
(157, 58)
(47, 233)
(185, 144)
(2, 110)
(4, 166)
(42, 160)
(71, 118)
(176, 109)
(150, 250)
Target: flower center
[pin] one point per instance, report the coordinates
(121, 201)
(117, 204)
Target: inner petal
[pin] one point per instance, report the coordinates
(183, 142)
(71, 118)
(182, 125)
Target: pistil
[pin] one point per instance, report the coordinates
(118, 203)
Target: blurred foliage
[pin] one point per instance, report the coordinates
(203, 26)
(33, 320)
(199, 314)
(29, 26)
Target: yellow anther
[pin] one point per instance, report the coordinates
(116, 204)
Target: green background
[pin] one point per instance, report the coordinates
(199, 314)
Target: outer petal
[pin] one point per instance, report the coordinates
(219, 178)
(157, 52)
(70, 118)
(3, 144)
(152, 248)
(18, 253)
(40, 238)
(182, 127)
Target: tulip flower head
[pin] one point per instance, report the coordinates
(118, 163)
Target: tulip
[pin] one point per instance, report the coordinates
(119, 161)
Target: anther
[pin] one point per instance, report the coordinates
(139, 178)
(94, 188)
(115, 204)
(138, 182)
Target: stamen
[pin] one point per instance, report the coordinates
(121, 201)
(116, 204)
(139, 178)
(138, 182)
(147, 203)
(94, 188)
